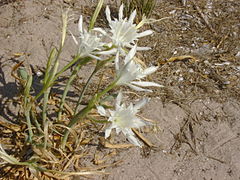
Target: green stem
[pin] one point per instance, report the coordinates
(44, 111)
(36, 122)
(45, 100)
(83, 91)
(81, 114)
(45, 132)
(67, 66)
(50, 78)
(47, 91)
(44, 116)
(98, 121)
(77, 58)
(70, 80)
(49, 64)
(98, 66)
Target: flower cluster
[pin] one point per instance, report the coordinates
(132, 71)
(123, 118)
(125, 32)
(122, 36)
(90, 43)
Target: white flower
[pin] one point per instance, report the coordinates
(131, 73)
(125, 32)
(124, 118)
(90, 42)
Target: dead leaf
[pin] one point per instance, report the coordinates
(145, 140)
(106, 144)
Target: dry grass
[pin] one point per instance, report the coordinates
(186, 77)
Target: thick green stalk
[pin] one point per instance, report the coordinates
(49, 64)
(83, 91)
(47, 91)
(98, 66)
(44, 110)
(45, 132)
(81, 114)
(48, 79)
(44, 115)
(30, 132)
(59, 73)
(76, 58)
(45, 101)
(98, 121)
(34, 119)
(69, 82)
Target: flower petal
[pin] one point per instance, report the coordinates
(101, 111)
(145, 33)
(80, 24)
(112, 114)
(94, 57)
(74, 38)
(139, 123)
(140, 104)
(117, 62)
(143, 48)
(108, 52)
(118, 100)
(118, 130)
(146, 84)
(138, 88)
(132, 139)
(108, 14)
(108, 132)
(150, 70)
(100, 30)
(132, 16)
(120, 14)
(139, 48)
(131, 54)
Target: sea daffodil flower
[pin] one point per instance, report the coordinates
(124, 31)
(131, 73)
(90, 43)
(123, 118)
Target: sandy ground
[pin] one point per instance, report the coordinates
(198, 111)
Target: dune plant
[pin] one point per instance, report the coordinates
(116, 45)
(143, 7)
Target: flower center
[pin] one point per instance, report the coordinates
(123, 119)
(124, 32)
